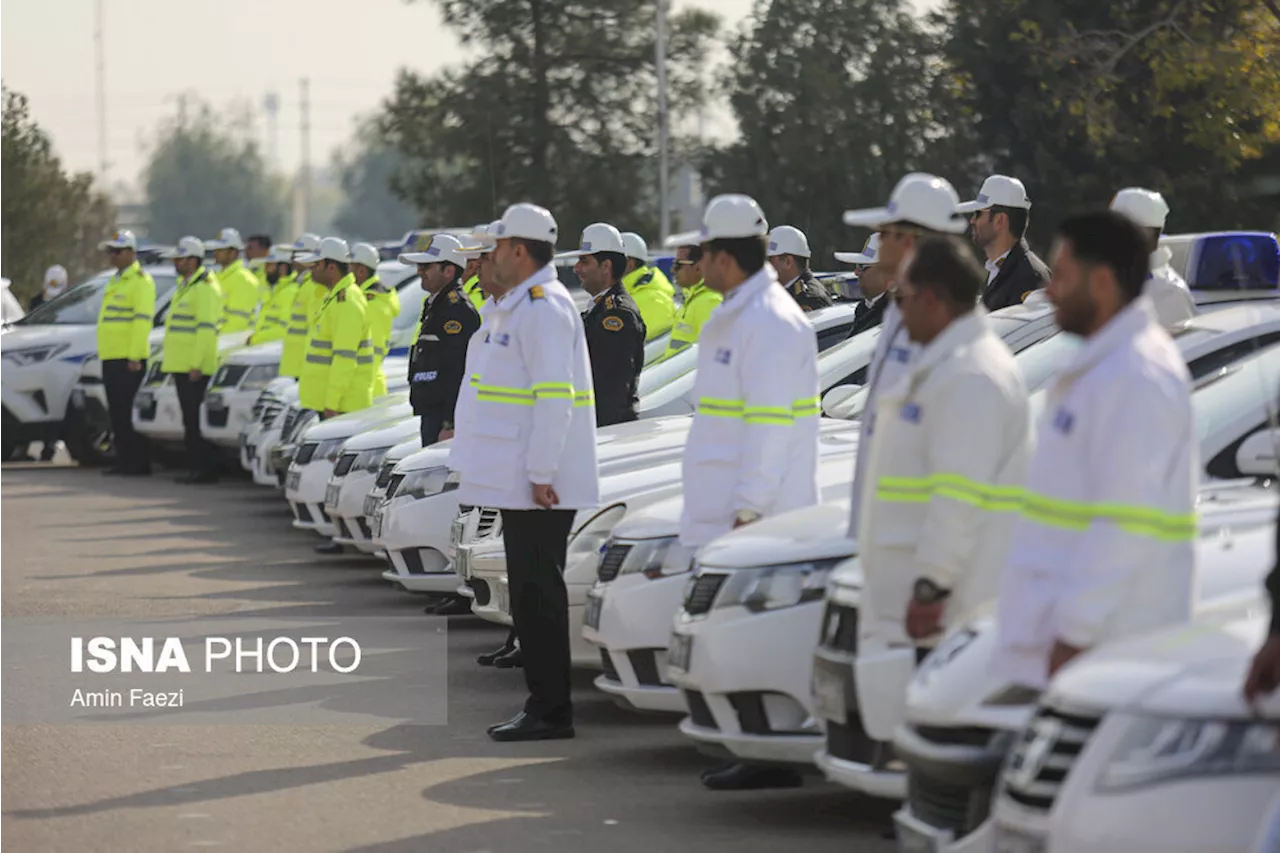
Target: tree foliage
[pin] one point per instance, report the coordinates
(50, 216)
(206, 173)
(557, 106)
(370, 210)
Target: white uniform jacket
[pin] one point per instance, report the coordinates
(1105, 544)
(532, 419)
(889, 363)
(460, 447)
(1168, 292)
(949, 452)
(753, 444)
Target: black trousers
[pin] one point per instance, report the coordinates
(202, 455)
(430, 427)
(121, 385)
(535, 542)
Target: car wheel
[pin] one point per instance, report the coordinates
(88, 440)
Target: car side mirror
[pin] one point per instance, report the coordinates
(839, 402)
(1257, 455)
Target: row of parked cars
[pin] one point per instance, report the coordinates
(752, 641)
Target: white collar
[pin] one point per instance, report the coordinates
(871, 303)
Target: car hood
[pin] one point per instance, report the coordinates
(385, 436)
(268, 353)
(80, 337)
(813, 533)
(353, 423)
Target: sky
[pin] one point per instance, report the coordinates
(156, 49)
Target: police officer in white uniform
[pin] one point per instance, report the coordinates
(532, 454)
(753, 444)
(1169, 294)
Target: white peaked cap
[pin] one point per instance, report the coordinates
(998, 191)
(188, 247)
(870, 253)
(365, 253)
(1145, 207)
(120, 240)
(444, 248)
(527, 222)
(636, 246)
(919, 198)
(598, 237)
(307, 243)
(330, 249)
(228, 238)
(788, 240)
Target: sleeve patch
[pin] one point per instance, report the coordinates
(452, 327)
(536, 292)
(613, 324)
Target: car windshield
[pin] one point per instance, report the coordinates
(80, 304)
(1222, 397)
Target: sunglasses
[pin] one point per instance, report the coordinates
(685, 263)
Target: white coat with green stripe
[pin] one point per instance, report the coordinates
(1104, 547)
(949, 446)
(753, 444)
(532, 417)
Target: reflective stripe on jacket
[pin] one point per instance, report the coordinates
(239, 296)
(126, 315)
(532, 419)
(699, 302)
(753, 444)
(950, 441)
(471, 287)
(273, 319)
(1104, 547)
(337, 371)
(654, 296)
(191, 327)
(382, 309)
(306, 304)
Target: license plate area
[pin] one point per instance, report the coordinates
(828, 695)
(592, 615)
(292, 480)
(680, 651)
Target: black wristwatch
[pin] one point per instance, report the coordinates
(926, 591)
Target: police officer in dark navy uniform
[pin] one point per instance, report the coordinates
(789, 256)
(449, 319)
(615, 332)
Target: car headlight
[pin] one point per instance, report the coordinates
(259, 376)
(1160, 749)
(370, 460)
(300, 423)
(35, 355)
(776, 587)
(595, 533)
(649, 557)
(330, 449)
(424, 483)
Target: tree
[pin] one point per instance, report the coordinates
(835, 100)
(557, 107)
(205, 173)
(50, 217)
(370, 210)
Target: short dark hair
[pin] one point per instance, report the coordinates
(638, 264)
(617, 262)
(802, 263)
(1109, 239)
(457, 270)
(1018, 218)
(263, 240)
(540, 250)
(945, 265)
(747, 252)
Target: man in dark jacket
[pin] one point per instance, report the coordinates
(998, 222)
(438, 359)
(872, 284)
(614, 329)
(789, 256)
(1264, 673)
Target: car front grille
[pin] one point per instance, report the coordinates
(306, 452)
(703, 593)
(301, 512)
(957, 808)
(699, 710)
(610, 671)
(1044, 755)
(269, 413)
(839, 628)
(490, 523)
(290, 418)
(365, 531)
(481, 591)
(849, 741)
(343, 466)
(644, 662)
(413, 561)
(612, 561)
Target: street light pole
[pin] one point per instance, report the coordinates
(664, 195)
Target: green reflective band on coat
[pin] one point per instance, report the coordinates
(717, 408)
(117, 319)
(768, 415)
(779, 415)
(298, 332)
(528, 397)
(313, 358)
(319, 344)
(1051, 512)
(553, 390)
(806, 407)
(584, 398)
(344, 353)
(364, 359)
(234, 312)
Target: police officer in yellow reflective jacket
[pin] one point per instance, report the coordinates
(471, 275)
(337, 370)
(282, 287)
(648, 287)
(239, 285)
(256, 251)
(699, 300)
(306, 301)
(191, 350)
(124, 326)
(383, 308)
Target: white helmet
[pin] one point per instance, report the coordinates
(1145, 207)
(636, 246)
(919, 198)
(869, 255)
(597, 237)
(788, 240)
(366, 254)
(728, 217)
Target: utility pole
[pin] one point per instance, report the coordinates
(101, 62)
(305, 176)
(271, 105)
(664, 213)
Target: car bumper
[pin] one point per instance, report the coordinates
(632, 635)
(747, 685)
(264, 472)
(157, 414)
(351, 527)
(415, 534)
(225, 413)
(306, 497)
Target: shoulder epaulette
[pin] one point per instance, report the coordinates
(536, 292)
(453, 296)
(342, 295)
(608, 303)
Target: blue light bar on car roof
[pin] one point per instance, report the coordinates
(1234, 260)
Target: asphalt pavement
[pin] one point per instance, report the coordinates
(76, 545)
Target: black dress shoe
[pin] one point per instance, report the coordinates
(488, 658)
(525, 728)
(453, 607)
(329, 548)
(751, 777)
(511, 660)
(516, 719)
